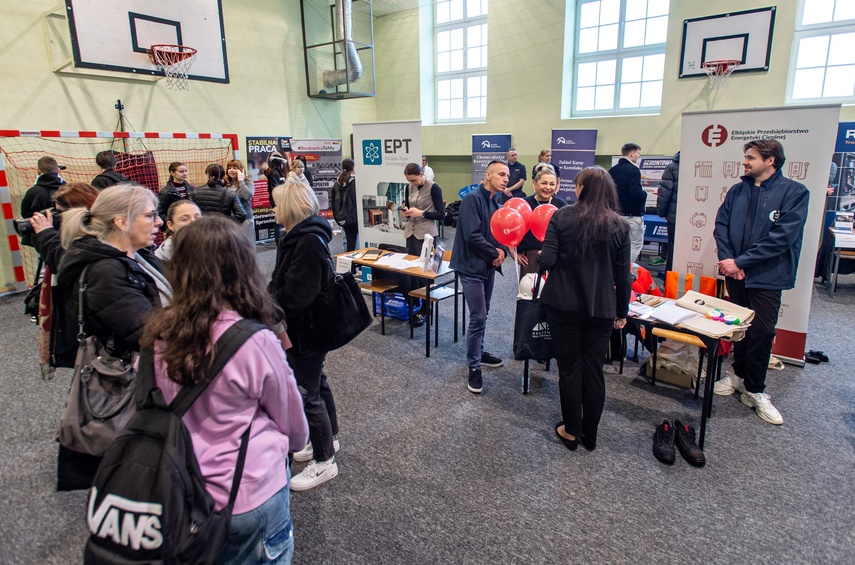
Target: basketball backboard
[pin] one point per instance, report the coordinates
(115, 36)
(739, 36)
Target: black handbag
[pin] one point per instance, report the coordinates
(31, 301)
(335, 318)
(532, 338)
(100, 399)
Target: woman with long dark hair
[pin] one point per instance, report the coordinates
(344, 203)
(586, 251)
(244, 189)
(176, 188)
(216, 283)
(214, 198)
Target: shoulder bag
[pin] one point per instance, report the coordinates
(100, 400)
(532, 338)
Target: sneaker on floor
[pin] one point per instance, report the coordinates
(762, 404)
(656, 261)
(490, 360)
(307, 453)
(475, 382)
(663, 443)
(685, 440)
(728, 385)
(314, 474)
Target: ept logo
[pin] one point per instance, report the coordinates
(714, 135)
(371, 154)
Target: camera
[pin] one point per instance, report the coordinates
(24, 227)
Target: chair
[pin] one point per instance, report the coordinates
(438, 293)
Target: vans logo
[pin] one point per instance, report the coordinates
(126, 522)
(541, 331)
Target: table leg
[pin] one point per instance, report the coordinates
(834, 272)
(429, 317)
(706, 405)
(525, 377)
(455, 307)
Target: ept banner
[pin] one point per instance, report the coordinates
(486, 148)
(381, 151)
(572, 151)
(711, 163)
(258, 150)
(323, 161)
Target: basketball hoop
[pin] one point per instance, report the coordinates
(175, 60)
(718, 71)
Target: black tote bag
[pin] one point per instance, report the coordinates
(532, 338)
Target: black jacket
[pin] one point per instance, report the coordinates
(475, 248)
(344, 203)
(302, 271)
(108, 178)
(119, 297)
(771, 257)
(597, 285)
(167, 195)
(39, 197)
(215, 199)
(666, 201)
(63, 319)
(631, 194)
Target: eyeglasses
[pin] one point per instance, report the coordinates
(150, 215)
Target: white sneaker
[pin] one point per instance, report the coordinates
(307, 453)
(763, 406)
(728, 385)
(315, 474)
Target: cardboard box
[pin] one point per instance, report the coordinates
(665, 376)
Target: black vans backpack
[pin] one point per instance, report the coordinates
(148, 502)
(339, 203)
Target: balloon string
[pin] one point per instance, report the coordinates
(516, 262)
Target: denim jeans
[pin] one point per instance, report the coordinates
(264, 535)
(478, 293)
(636, 235)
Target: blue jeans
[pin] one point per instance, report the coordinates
(478, 293)
(264, 535)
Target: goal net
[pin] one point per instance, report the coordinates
(144, 157)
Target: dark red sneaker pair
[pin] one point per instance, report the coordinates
(683, 435)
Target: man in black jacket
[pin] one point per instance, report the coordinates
(666, 206)
(631, 194)
(108, 177)
(40, 196)
(758, 231)
(476, 257)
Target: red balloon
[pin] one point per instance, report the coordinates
(539, 220)
(507, 226)
(521, 206)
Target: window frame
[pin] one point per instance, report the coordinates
(619, 54)
(464, 74)
(805, 32)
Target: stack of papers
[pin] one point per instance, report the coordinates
(398, 261)
(672, 314)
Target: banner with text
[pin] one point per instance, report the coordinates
(572, 151)
(652, 169)
(842, 175)
(711, 163)
(382, 151)
(258, 149)
(486, 148)
(323, 161)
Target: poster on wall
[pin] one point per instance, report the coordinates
(711, 163)
(486, 148)
(258, 150)
(323, 161)
(841, 177)
(382, 150)
(652, 169)
(572, 151)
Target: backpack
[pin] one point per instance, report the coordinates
(339, 203)
(148, 501)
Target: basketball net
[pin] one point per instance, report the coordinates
(175, 60)
(719, 71)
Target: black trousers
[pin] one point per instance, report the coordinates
(579, 345)
(318, 402)
(751, 354)
(351, 232)
(669, 247)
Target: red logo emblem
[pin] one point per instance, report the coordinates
(714, 135)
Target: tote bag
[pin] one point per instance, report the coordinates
(532, 338)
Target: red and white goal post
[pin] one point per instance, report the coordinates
(142, 156)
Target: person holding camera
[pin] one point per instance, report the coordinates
(40, 196)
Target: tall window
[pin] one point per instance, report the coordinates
(619, 56)
(823, 60)
(461, 60)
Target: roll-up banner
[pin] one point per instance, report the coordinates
(572, 151)
(841, 177)
(382, 150)
(323, 161)
(486, 148)
(711, 163)
(652, 169)
(258, 149)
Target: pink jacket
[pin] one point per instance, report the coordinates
(256, 386)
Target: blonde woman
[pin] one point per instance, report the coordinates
(301, 272)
